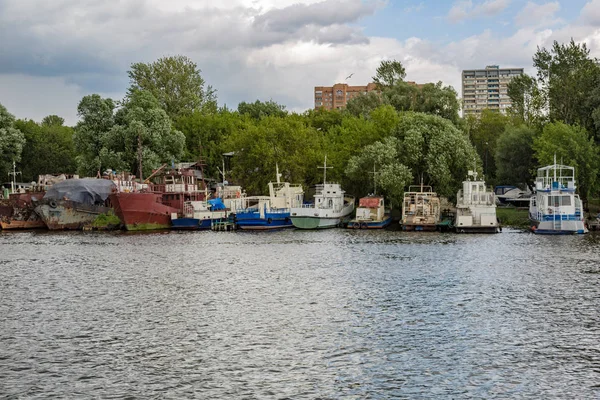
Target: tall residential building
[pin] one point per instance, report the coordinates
(336, 96)
(487, 88)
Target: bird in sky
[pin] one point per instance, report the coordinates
(349, 76)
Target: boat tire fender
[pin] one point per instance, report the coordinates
(364, 225)
(269, 221)
(52, 204)
(356, 225)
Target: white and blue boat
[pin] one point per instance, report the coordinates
(272, 211)
(199, 215)
(555, 209)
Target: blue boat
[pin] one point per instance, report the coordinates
(254, 219)
(199, 215)
(269, 212)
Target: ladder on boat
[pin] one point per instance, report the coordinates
(557, 222)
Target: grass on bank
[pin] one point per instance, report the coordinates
(106, 221)
(513, 217)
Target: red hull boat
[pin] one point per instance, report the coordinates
(142, 211)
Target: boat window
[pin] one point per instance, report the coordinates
(557, 201)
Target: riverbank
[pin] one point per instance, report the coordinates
(513, 217)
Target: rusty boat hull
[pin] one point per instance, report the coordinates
(69, 215)
(142, 211)
(12, 224)
(17, 212)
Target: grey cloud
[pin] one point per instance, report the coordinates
(87, 36)
(329, 12)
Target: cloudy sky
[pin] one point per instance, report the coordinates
(54, 52)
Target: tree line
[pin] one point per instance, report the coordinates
(401, 135)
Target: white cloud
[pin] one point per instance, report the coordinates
(590, 14)
(540, 15)
(464, 9)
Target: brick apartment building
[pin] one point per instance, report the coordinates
(336, 96)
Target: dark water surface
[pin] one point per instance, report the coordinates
(330, 314)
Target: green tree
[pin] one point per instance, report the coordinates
(176, 83)
(527, 100)
(141, 120)
(322, 119)
(53, 120)
(12, 141)
(514, 156)
(363, 104)
(436, 151)
(390, 175)
(260, 145)
(389, 73)
(437, 99)
(48, 149)
(206, 133)
(259, 109)
(484, 132)
(420, 146)
(572, 146)
(429, 98)
(96, 119)
(567, 76)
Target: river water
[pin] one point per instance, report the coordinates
(295, 314)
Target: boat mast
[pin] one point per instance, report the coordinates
(277, 174)
(13, 182)
(374, 179)
(554, 167)
(140, 156)
(325, 167)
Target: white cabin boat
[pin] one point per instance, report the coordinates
(475, 207)
(555, 208)
(420, 209)
(371, 214)
(330, 208)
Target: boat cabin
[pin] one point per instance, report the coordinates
(370, 209)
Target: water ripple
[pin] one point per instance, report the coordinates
(333, 314)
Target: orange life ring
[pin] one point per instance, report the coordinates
(238, 194)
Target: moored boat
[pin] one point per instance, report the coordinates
(17, 212)
(331, 207)
(270, 212)
(420, 209)
(199, 215)
(371, 214)
(75, 203)
(152, 209)
(555, 208)
(475, 207)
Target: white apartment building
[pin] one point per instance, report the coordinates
(487, 88)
